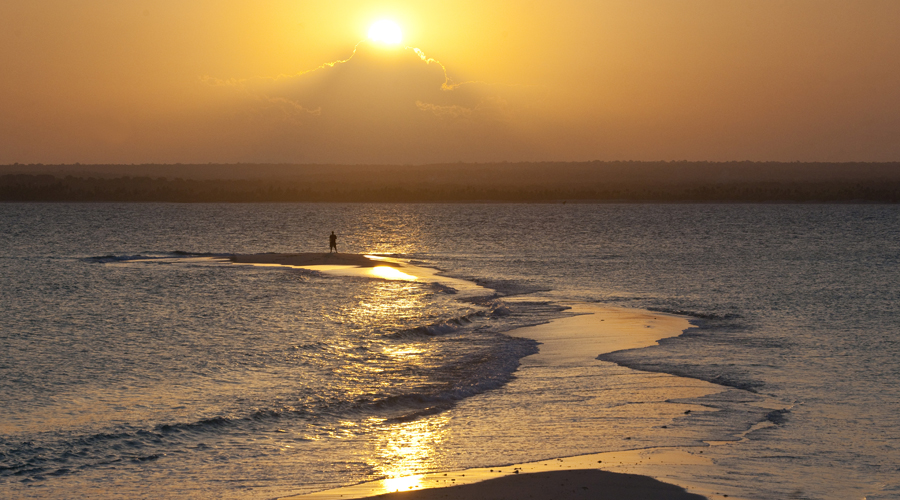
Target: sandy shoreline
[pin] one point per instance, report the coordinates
(570, 484)
(562, 478)
(310, 259)
(634, 474)
(361, 265)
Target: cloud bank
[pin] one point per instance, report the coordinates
(380, 105)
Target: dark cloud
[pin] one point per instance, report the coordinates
(381, 104)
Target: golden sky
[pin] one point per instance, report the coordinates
(196, 81)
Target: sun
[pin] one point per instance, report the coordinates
(385, 31)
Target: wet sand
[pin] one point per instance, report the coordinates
(310, 259)
(571, 484)
(626, 475)
(597, 330)
(362, 265)
(562, 478)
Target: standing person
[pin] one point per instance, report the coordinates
(332, 243)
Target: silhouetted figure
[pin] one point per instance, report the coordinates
(332, 243)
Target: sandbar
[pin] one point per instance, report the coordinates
(631, 474)
(595, 330)
(559, 478)
(570, 484)
(311, 259)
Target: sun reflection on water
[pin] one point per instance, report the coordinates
(391, 273)
(407, 450)
(406, 352)
(403, 483)
(389, 305)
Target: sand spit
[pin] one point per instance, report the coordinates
(311, 259)
(629, 474)
(570, 484)
(575, 478)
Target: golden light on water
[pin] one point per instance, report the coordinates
(391, 273)
(403, 483)
(386, 31)
(407, 449)
(406, 352)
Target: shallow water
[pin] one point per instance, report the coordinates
(132, 367)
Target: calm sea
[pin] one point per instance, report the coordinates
(134, 364)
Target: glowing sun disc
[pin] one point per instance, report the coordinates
(385, 31)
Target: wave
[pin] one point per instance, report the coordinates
(695, 314)
(724, 376)
(55, 454)
(179, 253)
(104, 259)
(509, 287)
(415, 415)
(477, 358)
(494, 309)
(475, 374)
(149, 256)
(61, 453)
(443, 327)
(442, 288)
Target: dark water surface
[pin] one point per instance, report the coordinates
(131, 367)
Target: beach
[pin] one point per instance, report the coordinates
(571, 485)
(562, 478)
(569, 342)
(695, 345)
(566, 343)
(460, 249)
(310, 259)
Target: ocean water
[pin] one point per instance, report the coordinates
(134, 363)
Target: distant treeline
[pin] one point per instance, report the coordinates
(742, 182)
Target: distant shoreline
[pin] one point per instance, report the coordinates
(547, 182)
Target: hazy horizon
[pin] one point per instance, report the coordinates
(458, 182)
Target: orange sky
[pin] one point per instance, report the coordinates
(198, 81)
